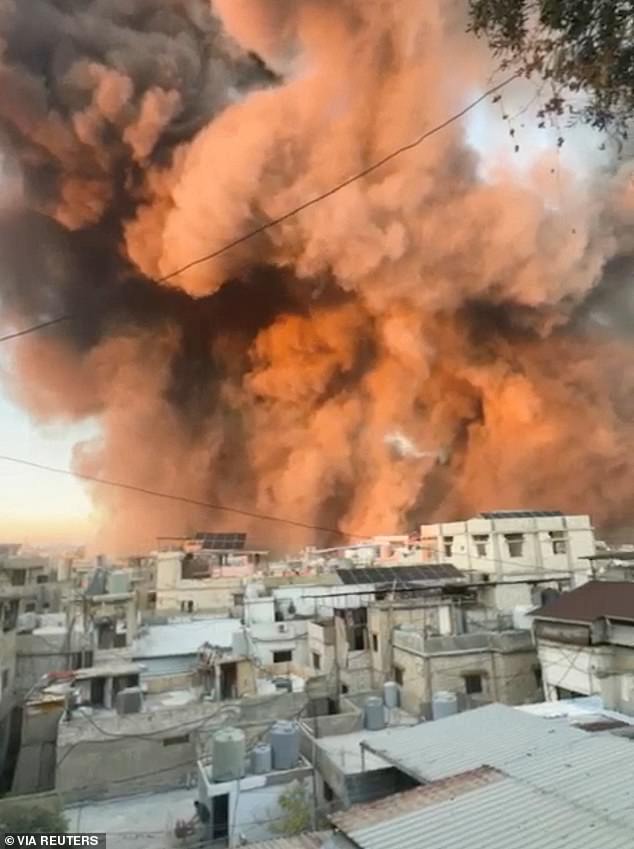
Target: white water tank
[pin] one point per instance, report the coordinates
(374, 714)
(285, 745)
(443, 704)
(391, 694)
(261, 759)
(228, 754)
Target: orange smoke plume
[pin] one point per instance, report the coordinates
(426, 343)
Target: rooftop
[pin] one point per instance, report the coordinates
(363, 816)
(314, 840)
(522, 782)
(581, 712)
(185, 637)
(399, 574)
(345, 750)
(500, 814)
(591, 601)
(495, 735)
(620, 554)
(145, 821)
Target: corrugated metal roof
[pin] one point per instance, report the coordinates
(314, 840)
(363, 816)
(508, 814)
(562, 788)
(494, 735)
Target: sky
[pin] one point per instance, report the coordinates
(36, 506)
(40, 507)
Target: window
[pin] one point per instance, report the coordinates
(515, 543)
(316, 660)
(41, 579)
(190, 606)
(448, 545)
(481, 541)
(473, 684)
(238, 599)
(328, 794)
(558, 540)
(398, 675)
(5, 682)
(375, 642)
(18, 578)
(180, 740)
(282, 656)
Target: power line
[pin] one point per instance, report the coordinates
(265, 517)
(274, 222)
(25, 331)
(183, 499)
(343, 184)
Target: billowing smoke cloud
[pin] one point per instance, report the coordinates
(420, 301)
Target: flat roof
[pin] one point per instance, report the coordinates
(105, 670)
(184, 637)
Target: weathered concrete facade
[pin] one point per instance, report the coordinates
(108, 755)
(479, 668)
(509, 544)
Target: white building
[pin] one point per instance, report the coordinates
(247, 809)
(513, 544)
(585, 644)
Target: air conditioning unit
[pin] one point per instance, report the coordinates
(129, 700)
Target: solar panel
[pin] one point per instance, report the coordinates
(223, 541)
(522, 514)
(399, 574)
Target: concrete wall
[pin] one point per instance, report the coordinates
(266, 638)
(384, 617)
(7, 692)
(508, 676)
(109, 755)
(35, 768)
(39, 654)
(580, 669)
(254, 809)
(206, 594)
(321, 640)
(46, 801)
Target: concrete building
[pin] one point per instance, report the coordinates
(35, 577)
(101, 752)
(478, 668)
(613, 565)
(49, 643)
(173, 647)
(244, 810)
(344, 775)
(188, 584)
(585, 644)
(514, 543)
(8, 623)
(106, 610)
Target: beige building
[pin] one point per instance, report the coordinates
(181, 586)
(513, 543)
(478, 668)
